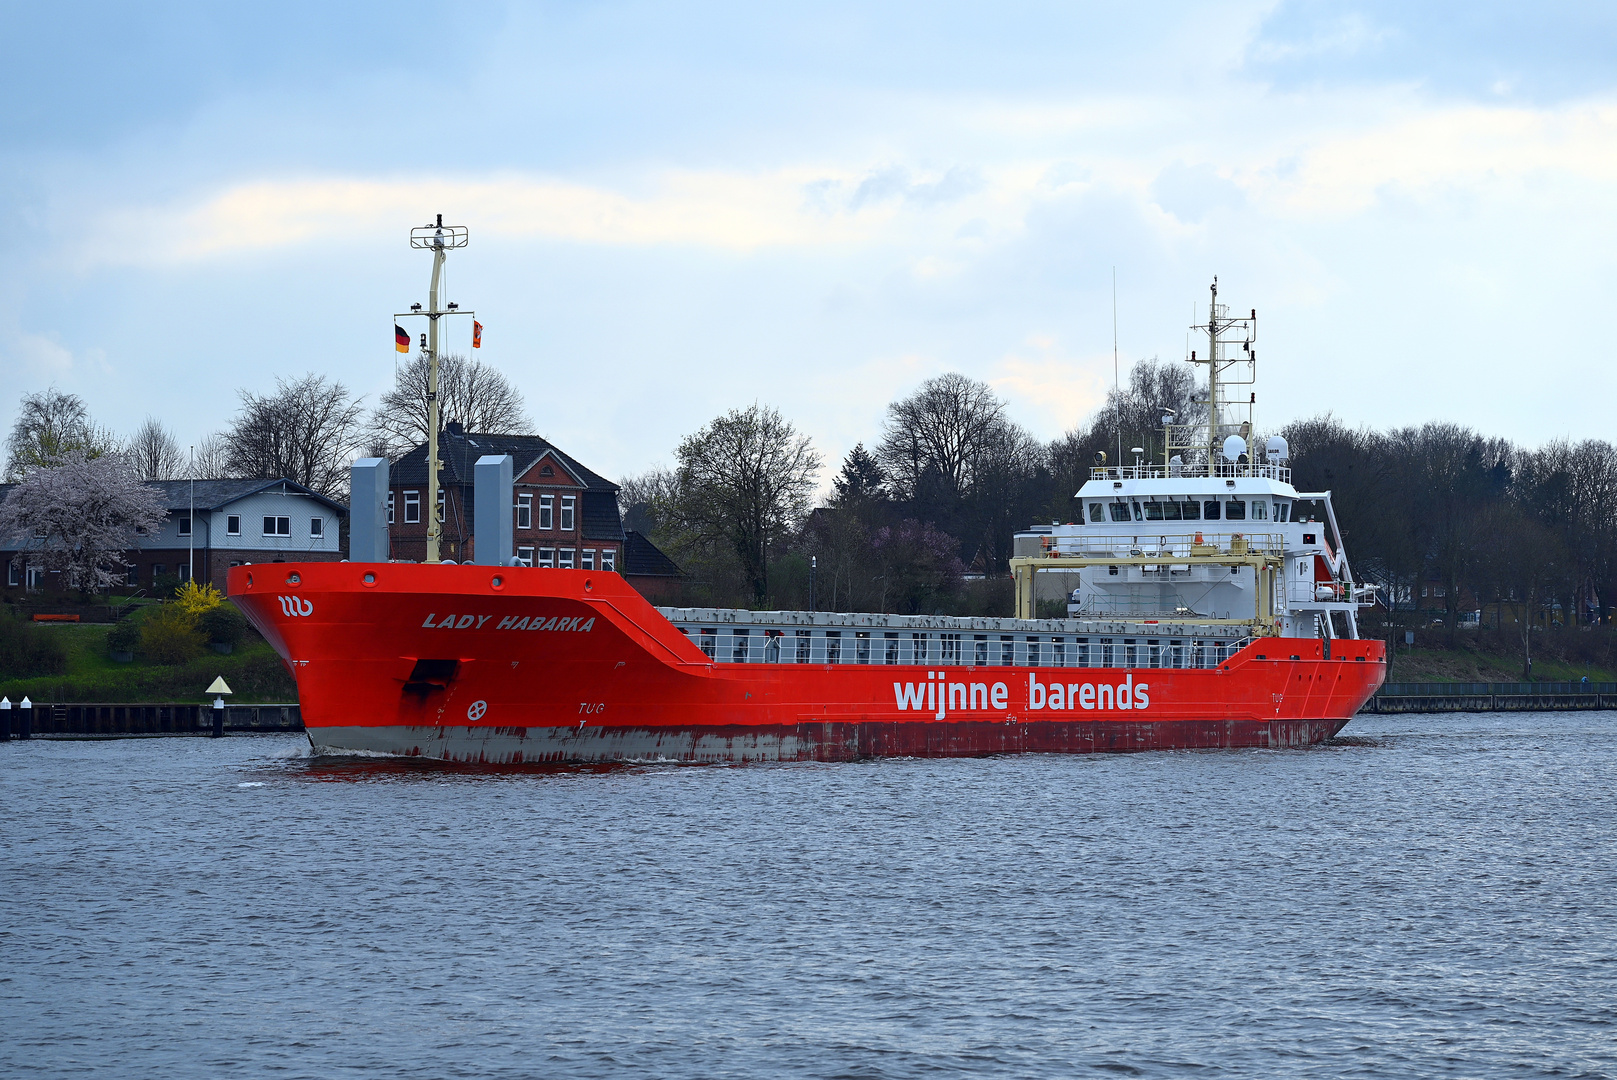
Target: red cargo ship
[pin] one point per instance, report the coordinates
(1204, 609)
(512, 665)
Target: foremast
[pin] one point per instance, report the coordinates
(438, 239)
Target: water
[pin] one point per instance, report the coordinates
(1435, 896)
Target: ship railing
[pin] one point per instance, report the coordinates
(1199, 542)
(1223, 470)
(766, 645)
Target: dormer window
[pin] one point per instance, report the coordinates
(546, 470)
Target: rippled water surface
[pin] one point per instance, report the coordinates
(1431, 896)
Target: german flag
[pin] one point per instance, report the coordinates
(401, 338)
(477, 334)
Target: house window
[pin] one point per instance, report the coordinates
(183, 524)
(131, 577)
(183, 571)
(547, 556)
(14, 574)
(609, 559)
(233, 525)
(547, 505)
(567, 558)
(158, 570)
(566, 513)
(317, 528)
(524, 511)
(277, 526)
(412, 507)
(390, 508)
(525, 555)
(588, 562)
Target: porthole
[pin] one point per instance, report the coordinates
(293, 578)
(370, 580)
(498, 582)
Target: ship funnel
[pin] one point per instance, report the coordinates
(1234, 447)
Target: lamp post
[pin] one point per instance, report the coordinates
(814, 568)
(191, 522)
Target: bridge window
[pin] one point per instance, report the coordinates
(1260, 510)
(1235, 510)
(1153, 511)
(1210, 510)
(1282, 511)
(1120, 511)
(1097, 512)
(1192, 511)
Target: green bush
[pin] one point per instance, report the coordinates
(170, 636)
(27, 650)
(124, 637)
(223, 623)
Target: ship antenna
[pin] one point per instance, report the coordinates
(438, 239)
(1117, 382)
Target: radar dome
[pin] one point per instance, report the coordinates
(1234, 447)
(1276, 449)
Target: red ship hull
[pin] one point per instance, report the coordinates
(516, 665)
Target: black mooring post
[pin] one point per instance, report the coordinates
(5, 720)
(218, 721)
(25, 720)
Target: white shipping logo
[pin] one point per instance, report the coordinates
(293, 605)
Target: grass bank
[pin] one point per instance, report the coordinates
(253, 671)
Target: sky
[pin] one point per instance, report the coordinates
(676, 210)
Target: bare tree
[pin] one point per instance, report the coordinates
(79, 515)
(745, 480)
(937, 435)
(155, 454)
(211, 457)
(307, 431)
(49, 425)
(475, 394)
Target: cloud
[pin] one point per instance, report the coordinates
(1058, 390)
(1191, 192)
(710, 209)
